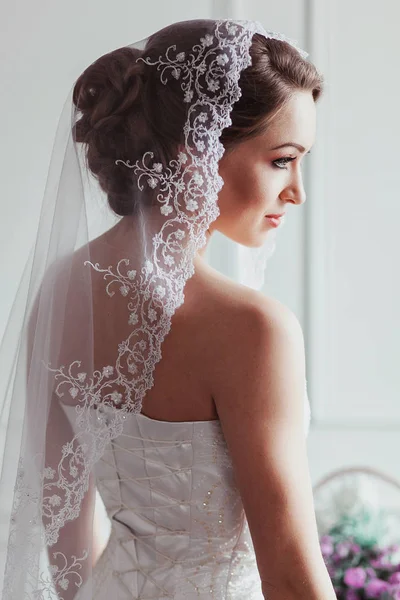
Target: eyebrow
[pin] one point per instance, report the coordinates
(298, 146)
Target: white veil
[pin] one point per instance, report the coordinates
(63, 399)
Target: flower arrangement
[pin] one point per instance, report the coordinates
(360, 572)
(357, 535)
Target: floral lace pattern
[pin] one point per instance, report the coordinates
(187, 191)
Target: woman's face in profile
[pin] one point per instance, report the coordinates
(261, 179)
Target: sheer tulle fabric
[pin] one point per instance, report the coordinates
(68, 407)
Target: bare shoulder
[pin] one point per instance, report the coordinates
(260, 315)
(259, 356)
(266, 327)
(251, 344)
(246, 324)
(259, 392)
(238, 301)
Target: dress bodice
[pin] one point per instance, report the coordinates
(178, 527)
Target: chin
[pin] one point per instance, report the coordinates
(253, 238)
(254, 243)
(251, 242)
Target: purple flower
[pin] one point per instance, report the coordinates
(331, 570)
(394, 592)
(326, 545)
(343, 549)
(375, 588)
(335, 558)
(352, 595)
(395, 578)
(383, 562)
(370, 572)
(355, 548)
(355, 578)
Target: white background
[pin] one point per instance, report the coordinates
(336, 263)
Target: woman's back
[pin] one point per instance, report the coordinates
(194, 353)
(178, 528)
(169, 482)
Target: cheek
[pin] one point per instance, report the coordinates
(247, 186)
(254, 186)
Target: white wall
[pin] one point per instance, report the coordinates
(354, 343)
(336, 260)
(44, 46)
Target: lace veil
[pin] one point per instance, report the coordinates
(158, 197)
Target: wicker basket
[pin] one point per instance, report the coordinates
(367, 499)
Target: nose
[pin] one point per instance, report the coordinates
(295, 192)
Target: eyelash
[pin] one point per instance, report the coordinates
(286, 159)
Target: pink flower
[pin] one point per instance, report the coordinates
(394, 592)
(375, 588)
(370, 572)
(343, 549)
(395, 577)
(352, 595)
(383, 563)
(331, 570)
(355, 578)
(378, 562)
(326, 545)
(355, 548)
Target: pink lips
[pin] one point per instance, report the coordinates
(275, 220)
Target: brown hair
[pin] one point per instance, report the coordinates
(125, 109)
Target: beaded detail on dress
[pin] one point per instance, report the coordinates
(178, 528)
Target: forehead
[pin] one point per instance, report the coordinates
(295, 122)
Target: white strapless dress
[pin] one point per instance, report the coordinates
(178, 528)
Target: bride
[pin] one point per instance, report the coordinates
(144, 374)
